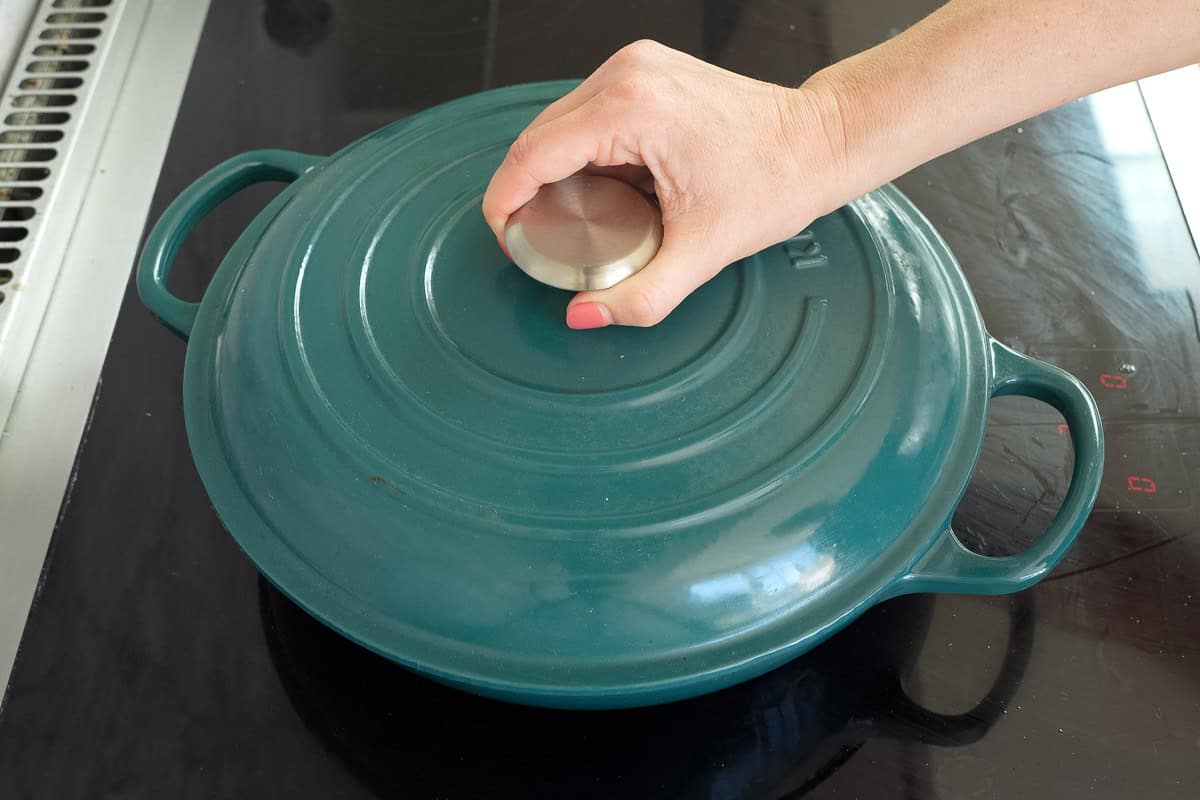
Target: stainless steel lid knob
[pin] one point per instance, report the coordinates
(584, 233)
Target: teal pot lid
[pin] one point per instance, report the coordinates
(397, 427)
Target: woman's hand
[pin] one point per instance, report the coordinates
(737, 165)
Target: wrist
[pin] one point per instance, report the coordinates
(877, 118)
(818, 135)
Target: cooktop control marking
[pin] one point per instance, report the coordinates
(1143, 469)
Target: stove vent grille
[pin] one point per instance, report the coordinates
(38, 115)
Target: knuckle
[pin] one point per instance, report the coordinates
(641, 50)
(646, 307)
(522, 149)
(632, 88)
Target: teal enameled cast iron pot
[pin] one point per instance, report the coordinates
(396, 426)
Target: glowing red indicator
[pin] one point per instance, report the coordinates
(1109, 381)
(1062, 428)
(1140, 484)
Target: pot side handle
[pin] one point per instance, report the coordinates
(951, 567)
(206, 193)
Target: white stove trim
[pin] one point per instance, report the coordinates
(1173, 102)
(53, 401)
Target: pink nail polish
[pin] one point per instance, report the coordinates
(583, 316)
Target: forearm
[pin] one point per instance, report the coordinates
(976, 66)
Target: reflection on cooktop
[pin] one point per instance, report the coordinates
(783, 733)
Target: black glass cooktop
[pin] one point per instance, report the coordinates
(156, 663)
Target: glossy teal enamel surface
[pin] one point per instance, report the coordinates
(397, 427)
(215, 187)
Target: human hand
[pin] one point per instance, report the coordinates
(737, 165)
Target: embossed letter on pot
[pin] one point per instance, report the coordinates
(395, 425)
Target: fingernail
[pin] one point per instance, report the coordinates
(583, 316)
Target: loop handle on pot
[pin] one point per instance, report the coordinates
(206, 193)
(949, 566)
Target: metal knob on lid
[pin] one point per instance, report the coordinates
(584, 233)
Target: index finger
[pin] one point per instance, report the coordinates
(570, 101)
(550, 152)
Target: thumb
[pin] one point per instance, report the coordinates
(682, 265)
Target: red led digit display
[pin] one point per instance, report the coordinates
(1138, 483)
(1062, 428)
(1110, 381)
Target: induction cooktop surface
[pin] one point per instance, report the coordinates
(157, 663)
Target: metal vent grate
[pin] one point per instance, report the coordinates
(49, 85)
